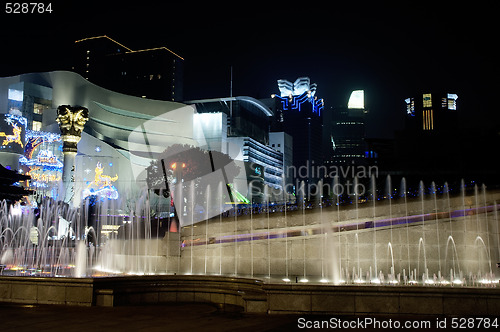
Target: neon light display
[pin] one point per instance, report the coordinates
(102, 185)
(46, 167)
(452, 101)
(410, 106)
(11, 133)
(294, 95)
(295, 103)
(45, 158)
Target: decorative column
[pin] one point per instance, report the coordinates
(71, 121)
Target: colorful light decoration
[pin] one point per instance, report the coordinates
(102, 185)
(46, 167)
(45, 158)
(17, 123)
(294, 95)
(296, 102)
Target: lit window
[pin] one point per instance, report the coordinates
(38, 108)
(427, 99)
(444, 102)
(36, 126)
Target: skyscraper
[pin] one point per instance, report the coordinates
(155, 73)
(348, 131)
(299, 113)
(431, 112)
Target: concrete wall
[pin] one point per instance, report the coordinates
(69, 291)
(253, 296)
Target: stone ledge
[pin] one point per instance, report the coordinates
(252, 296)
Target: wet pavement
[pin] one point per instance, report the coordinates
(165, 317)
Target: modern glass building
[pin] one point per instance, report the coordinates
(348, 132)
(123, 133)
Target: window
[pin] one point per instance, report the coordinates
(444, 102)
(427, 99)
(38, 108)
(36, 126)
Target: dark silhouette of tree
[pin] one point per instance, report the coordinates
(8, 190)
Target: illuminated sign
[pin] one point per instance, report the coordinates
(299, 87)
(410, 106)
(452, 101)
(357, 100)
(102, 185)
(44, 158)
(46, 167)
(427, 99)
(294, 95)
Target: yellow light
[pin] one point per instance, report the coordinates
(173, 166)
(104, 36)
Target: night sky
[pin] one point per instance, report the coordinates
(390, 52)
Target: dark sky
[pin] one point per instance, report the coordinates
(392, 52)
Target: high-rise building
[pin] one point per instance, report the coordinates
(429, 143)
(242, 122)
(155, 73)
(298, 113)
(348, 132)
(431, 112)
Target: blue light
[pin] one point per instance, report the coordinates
(295, 102)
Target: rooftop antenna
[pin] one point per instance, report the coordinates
(231, 92)
(231, 98)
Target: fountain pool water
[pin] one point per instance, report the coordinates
(430, 239)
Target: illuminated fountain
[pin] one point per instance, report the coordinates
(381, 237)
(429, 239)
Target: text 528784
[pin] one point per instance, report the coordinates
(28, 8)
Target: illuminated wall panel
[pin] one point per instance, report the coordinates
(427, 100)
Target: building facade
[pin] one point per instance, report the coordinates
(432, 112)
(299, 114)
(155, 73)
(347, 135)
